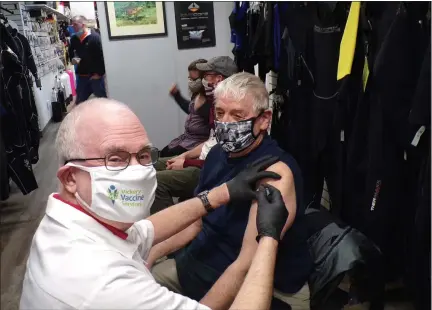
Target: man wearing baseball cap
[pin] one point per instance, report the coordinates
(221, 65)
(178, 176)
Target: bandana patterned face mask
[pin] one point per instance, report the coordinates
(234, 137)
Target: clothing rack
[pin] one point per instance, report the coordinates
(19, 115)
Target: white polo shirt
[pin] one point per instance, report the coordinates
(76, 262)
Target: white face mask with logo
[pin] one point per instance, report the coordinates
(123, 196)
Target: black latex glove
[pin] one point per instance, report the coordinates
(272, 213)
(242, 186)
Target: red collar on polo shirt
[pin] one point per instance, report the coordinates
(118, 232)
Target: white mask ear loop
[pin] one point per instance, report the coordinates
(77, 196)
(81, 201)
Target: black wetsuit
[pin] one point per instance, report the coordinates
(377, 189)
(28, 101)
(14, 123)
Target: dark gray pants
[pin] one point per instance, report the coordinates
(173, 183)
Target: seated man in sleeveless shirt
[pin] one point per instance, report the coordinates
(225, 239)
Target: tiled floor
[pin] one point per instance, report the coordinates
(20, 216)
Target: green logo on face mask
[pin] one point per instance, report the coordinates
(113, 193)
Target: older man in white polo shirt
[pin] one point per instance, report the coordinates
(90, 249)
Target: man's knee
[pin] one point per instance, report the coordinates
(165, 273)
(163, 198)
(164, 179)
(297, 301)
(160, 165)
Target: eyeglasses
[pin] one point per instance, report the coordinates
(120, 160)
(206, 74)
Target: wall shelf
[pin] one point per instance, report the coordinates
(46, 8)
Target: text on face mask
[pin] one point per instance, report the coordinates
(132, 198)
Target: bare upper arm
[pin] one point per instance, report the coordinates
(286, 186)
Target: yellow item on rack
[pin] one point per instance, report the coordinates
(348, 42)
(365, 76)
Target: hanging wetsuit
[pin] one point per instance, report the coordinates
(418, 243)
(260, 24)
(380, 210)
(4, 176)
(317, 100)
(376, 16)
(28, 101)
(13, 123)
(293, 82)
(238, 24)
(325, 137)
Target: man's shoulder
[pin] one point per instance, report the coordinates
(286, 167)
(67, 277)
(94, 36)
(77, 277)
(287, 162)
(282, 168)
(94, 33)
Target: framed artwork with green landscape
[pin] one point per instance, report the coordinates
(135, 19)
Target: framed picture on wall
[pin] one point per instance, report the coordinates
(195, 24)
(135, 19)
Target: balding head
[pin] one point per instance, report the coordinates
(93, 131)
(94, 122)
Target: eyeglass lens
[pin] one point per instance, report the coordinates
(120, 160)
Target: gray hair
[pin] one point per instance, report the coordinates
(243, 84)
(67, 143)
(80, 19)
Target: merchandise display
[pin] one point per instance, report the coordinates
(43, 34)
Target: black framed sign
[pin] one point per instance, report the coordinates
(135, 19)
(194, 24)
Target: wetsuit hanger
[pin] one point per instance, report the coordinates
(6, 10)
(255, 7)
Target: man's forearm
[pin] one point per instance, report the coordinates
(194, 153)
(223, 292)
(174, 243)
(257, 289)
(174, 219)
